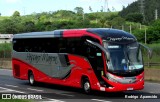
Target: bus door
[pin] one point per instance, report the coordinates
(94, 55)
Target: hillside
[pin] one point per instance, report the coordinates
(149, 9)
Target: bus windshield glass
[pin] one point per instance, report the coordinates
(124, 58)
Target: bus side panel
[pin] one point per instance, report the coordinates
(21, 69)
(81, 68)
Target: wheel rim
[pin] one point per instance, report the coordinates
(31, 79)
(86, 86)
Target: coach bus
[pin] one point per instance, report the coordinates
(101, 59)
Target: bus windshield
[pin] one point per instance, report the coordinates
(124, 58)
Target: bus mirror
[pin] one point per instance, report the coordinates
(148, 49)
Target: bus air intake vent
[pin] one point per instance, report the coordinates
(17, 70)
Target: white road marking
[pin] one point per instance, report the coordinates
(151, 92)
(100, 100)
(35, 89)
(51, 100)
(5, 91)
(3, 88)
(17, 91)
(10, 85)
(11, 90)
(6, 69)
(55, 100)
(64, 94)
(154, 92)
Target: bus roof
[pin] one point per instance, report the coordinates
(102, 32)
(39, 34)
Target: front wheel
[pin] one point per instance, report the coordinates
(86, 86)
(31, 78)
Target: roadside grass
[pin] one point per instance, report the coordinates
(14, 100)
(152, 80)
(5, 50)
(155, 58)
(153, 67)
(5, 47)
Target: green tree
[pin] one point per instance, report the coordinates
(153, 32)
(117, 21)
(135, 17)
(40, 26)
(29, 26)
(7, 26)
(79, 10)
(102, 21)
(149, 9)
(16, 14)
(140, 35)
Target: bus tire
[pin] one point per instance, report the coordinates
(31, 78)
(86, 86)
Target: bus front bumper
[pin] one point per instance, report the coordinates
(118, 87)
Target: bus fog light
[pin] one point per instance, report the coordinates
(110, 87)
(102, 88)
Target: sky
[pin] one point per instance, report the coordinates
(25, 7)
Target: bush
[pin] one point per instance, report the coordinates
(5, 50)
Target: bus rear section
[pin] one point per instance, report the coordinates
(93, 59)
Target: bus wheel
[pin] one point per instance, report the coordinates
(86, 86)
(31, 78)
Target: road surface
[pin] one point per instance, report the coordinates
(55, 93)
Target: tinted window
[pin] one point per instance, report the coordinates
(48, 45)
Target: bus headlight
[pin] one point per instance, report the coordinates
(124, 80)
(113, 78)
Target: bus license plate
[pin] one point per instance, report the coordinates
(130, 88)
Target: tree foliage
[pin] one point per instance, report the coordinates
(135, 17)
(65, 19)
(149, 9)
(79, 10)
(16, 14)
(45, 21)
(154, 32)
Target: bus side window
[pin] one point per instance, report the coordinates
(62, 50)
(74, 46)
(62, 45)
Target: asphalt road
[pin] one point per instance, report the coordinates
(55, 93)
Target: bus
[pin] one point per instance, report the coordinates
(101, 59)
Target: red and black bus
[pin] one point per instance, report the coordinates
(101, 59)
